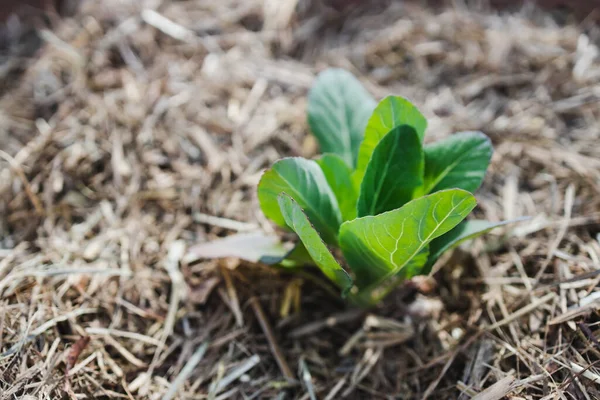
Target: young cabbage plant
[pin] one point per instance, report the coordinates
(390, 204)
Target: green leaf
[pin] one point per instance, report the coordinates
(390, 113)
(460, 161)
(394, 173)
(461, 233)
(305, 182)
(416, 264)
(338, 110)
(298, 221)
(339, 177)
(379, 247)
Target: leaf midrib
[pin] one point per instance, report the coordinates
(423, 244)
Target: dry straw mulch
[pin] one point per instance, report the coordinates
(141, 128)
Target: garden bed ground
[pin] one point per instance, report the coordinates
(123, 145)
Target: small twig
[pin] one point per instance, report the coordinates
(225, 223)
(124, 352)
(580, 277)
(235, 374)
(437, 380)
(497, 391)
(438, 360)
(72, 356)
(186, 371)
(585, 372)
(167, 26)
(331, 321)
(352, 342)
(587, 331)
(75, 351)
(45, 326)
(129, 335)
(521, 312)
(233, 297)
(335, 390)
(586, 335)
(178, 293)
(37, 204)
(569, 199)
(364, 367)
(307, 380)
(83, 364)
(268, 331)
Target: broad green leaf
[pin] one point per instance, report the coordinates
(380, 247)
(460, 161)
(413, 267)
(298, 221)
(416, 265)
(461, 233)
(390, 113)
(338, 110)
(394, 173)
(339, 177)
(305, 182)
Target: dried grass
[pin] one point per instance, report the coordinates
(142, 127)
